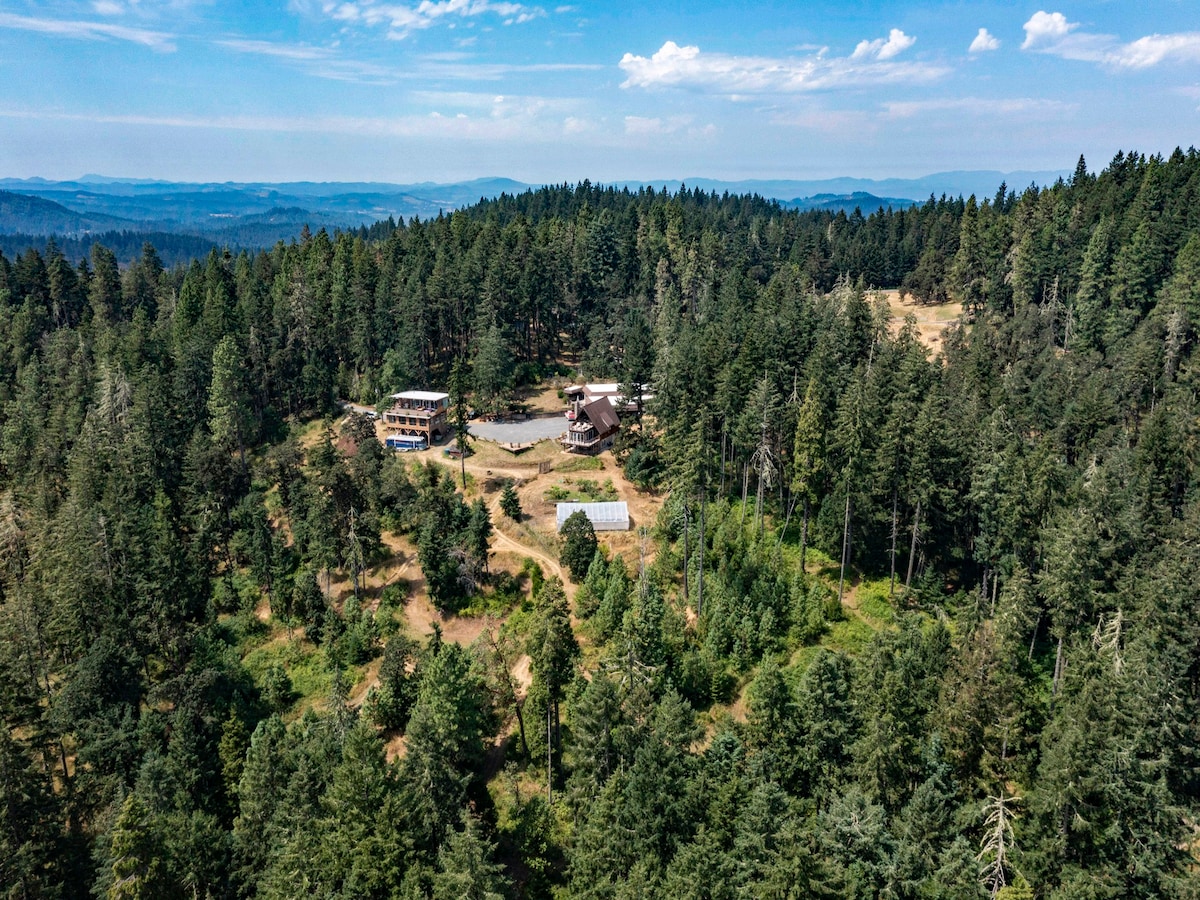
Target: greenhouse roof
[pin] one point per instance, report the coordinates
(614, 514)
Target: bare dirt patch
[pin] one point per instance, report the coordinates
(395, 748)
(522, 676)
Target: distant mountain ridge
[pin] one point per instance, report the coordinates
(847, 203)
(32, 214)
(258, 214)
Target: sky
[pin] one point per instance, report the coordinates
(445, 90)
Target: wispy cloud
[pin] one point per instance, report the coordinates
(300, 52)
(156, 40)
(494, 71)
(984, 42)
(871, 63)
(402, 20)
(657, 126)
(838, 122)
(326, 62)
(1054, 34)
(508, 119)
(1031, 107)
(321, 62)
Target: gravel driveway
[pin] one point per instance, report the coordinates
(526, 432)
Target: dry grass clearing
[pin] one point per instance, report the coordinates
(932, 320)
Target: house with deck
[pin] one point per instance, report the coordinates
(418, 414)
(594, 428)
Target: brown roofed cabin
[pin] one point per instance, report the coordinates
(418, 414)
(586, 393)
(594, 429)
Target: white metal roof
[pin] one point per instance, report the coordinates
(428, 396)
(614, 512)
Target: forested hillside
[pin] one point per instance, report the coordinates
(907, 626)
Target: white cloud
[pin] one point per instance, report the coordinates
(984, 41)
(1045, 28)
(884, 48)
(1156, 48)
(108, 8)
(688, 67)
(156, 40)
(403, 20)
(1053, 34)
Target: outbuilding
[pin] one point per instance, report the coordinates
(610, 516)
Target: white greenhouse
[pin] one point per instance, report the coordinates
(612, 516)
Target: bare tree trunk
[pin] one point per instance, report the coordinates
(1058, 663)
(685, 556)
(722, 459)
(557, 726)
(745, 490)
(758, 502)
(1033, 637)
(700, 568)
(912, 549)
(787, 520)
(845, 549)
(521, 727)
(804, 538)
(895, 512)
(549, 759)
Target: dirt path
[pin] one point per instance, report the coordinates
(501, 540)
(419, 613)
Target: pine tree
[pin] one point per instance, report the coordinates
(510, 503)
(465, 867)
(138, 863)
(808, 459)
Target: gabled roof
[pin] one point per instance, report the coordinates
(601, 414)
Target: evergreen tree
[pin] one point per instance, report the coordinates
(510, 504)
(578, 544)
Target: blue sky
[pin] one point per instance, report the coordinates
(440, 90)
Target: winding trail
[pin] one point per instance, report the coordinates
(502, 540)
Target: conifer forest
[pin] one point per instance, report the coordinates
(908, 622)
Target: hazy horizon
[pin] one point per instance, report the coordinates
(450, 90)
